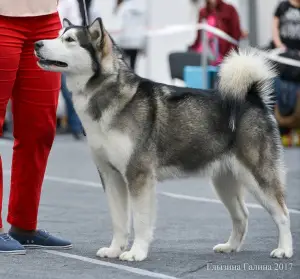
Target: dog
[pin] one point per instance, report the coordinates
(141, 132)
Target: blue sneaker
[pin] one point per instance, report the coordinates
(41, 240)
(9, 245)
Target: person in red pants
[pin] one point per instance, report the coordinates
(34, 96)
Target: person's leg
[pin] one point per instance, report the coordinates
(11, 40)
(133, 57)
(1, 196)
(10, 49)
(73, 119)
(34, 105)
(127, 55)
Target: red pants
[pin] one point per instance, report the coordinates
(34, 96)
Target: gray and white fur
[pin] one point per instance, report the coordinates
(141, 132)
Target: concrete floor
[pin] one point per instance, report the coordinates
(190, 222)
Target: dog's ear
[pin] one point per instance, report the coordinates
(96, 30)
(67, 23)
(100, 37)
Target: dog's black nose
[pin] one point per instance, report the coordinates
(38, 45)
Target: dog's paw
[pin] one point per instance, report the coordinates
(136, 255)
(282, 253)
(109, 252)
(224, 248)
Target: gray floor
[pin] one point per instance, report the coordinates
(75, 207)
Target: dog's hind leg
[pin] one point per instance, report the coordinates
(260, 152)
(230, 192)
(117, 195)
(268, 190)
(143, 201)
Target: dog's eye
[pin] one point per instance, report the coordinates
(69, 40)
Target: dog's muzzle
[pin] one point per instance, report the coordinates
(46, 62)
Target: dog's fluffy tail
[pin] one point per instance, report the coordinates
(241, 71)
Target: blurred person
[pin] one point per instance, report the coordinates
(286, 25)
(217, 14)
(286, 36)
(133, 27)
(71, 10)
(34, 95)
(224, 16)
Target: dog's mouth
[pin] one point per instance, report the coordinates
(49, 63)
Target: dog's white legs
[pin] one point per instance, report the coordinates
(282, 220)
(271, 197)
(279, 212)
(143, 201)
(231, 194)
(117, 195)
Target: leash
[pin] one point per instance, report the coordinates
(86, 17)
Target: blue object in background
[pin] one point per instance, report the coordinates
(73, 120)
(193, 76)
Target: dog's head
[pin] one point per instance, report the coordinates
(78, 49)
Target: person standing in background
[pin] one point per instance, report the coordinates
(286, 25)
(70, 10)
(286, 36)
(217, 14)
(224, 16)
(34, 95)
(132, 38)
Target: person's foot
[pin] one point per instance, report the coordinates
(41, 239)
(8, 245)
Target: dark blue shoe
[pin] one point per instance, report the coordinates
(9, 245)
(41, 240)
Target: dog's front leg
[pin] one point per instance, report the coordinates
(117, 195)
(143, 201)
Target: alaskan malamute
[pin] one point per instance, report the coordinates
(141, 132)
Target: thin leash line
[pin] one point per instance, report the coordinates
(86, 18)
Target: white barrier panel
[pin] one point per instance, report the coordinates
(193, 27)
(274, 56)
(174, 29)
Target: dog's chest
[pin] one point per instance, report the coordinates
(107, 144)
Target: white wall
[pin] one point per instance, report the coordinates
(242, 8)
(166, 12)
(265, 11)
